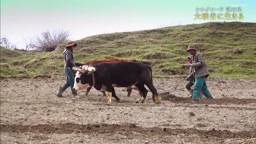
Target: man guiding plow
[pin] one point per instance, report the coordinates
(200, 74)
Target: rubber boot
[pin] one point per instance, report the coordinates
(59, 94)
(191, 93)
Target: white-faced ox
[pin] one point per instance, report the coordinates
(120, 74)
(86, 69)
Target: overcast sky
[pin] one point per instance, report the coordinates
(22, 20)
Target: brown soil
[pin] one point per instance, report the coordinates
(31, 113)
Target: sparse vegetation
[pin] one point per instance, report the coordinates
(228, 48)
(48, 40)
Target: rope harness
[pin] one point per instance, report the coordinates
(93, 79)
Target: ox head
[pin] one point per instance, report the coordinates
(81, 76)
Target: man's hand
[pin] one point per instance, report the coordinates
(190, 65)
(76, 68)
(187, 65)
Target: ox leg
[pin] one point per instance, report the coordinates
(101, 88)
(109, 96)
(129, 91)
(109, 92)
(114, 94)
(143, 91)
(87, 91)
(155, 96)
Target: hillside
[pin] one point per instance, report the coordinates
(229, 50)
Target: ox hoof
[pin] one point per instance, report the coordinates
(109, 103)
(142, 101)
(139, 101)
(158, 100)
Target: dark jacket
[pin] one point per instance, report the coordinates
(69, 58)
(199, 66)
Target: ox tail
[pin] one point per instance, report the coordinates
(150, 73)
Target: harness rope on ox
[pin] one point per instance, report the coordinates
(93, 79)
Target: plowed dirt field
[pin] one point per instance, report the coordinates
(31, 113)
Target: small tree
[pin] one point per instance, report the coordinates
(49, 40)
(6, 43)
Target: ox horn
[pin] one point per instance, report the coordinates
(77, 69)
(88, 68)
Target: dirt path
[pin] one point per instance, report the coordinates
(31, 113)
